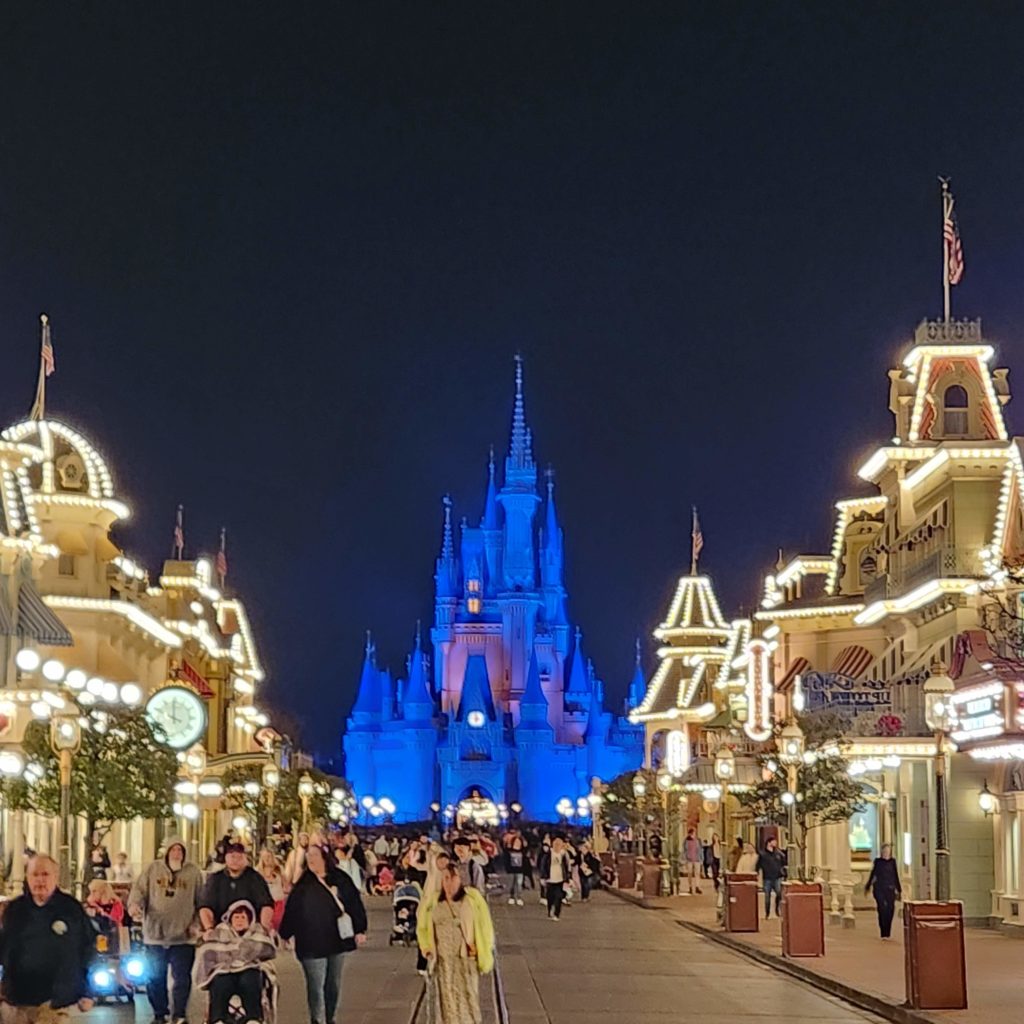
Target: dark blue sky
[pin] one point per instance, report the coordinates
(289, 252)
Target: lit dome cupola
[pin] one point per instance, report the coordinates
(63, 468)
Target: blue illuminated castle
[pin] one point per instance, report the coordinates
(514, 713)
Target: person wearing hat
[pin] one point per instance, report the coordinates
(238, 881)
(166, 898)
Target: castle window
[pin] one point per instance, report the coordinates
(473, 605)
(473, 588)
(954, 411)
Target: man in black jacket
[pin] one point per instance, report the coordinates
(772, 865)
(238, 881)
(46, 947)
(885, 879)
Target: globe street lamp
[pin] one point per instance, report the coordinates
(306, 790)
(65, 740)
(791, 754)
(271, 780)
(639, 792)
(938, 713)
(195, 765)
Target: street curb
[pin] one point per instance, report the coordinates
(862, 1000)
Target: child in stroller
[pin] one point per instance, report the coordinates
(405, 904)
(237, 964)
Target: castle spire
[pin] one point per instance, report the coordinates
(417, 704)
(638, 685)
(446, 574)
(579, 686)
(370, 698)
(533, 705)
(489, 520)
(520, 454)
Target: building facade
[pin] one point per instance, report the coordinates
(913, 572)
(82, 624)
(508, 711)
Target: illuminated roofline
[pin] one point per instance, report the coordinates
(131, 612)
(808, 613)
(917, 598)
(846, 508)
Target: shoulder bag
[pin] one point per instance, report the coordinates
(345, 928)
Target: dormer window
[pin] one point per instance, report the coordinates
(868, 567)
(954, 411)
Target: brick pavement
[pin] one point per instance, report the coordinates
(859, 958)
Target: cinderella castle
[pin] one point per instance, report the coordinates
(508, 714)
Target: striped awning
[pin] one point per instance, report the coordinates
(36, 621)
(852, 661)
(6, 618)
(797, 667)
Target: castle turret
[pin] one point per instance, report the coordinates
(446, 575)
(387, 691)
(552, 562)
(578, 690)
(533, 707)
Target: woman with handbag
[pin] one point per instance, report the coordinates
(326, 917)
(455, 933)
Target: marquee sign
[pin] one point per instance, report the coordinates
(832, 691)
(980, 712)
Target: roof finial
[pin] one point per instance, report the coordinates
(419, 627)
(549, 475)
(638, 657)
(369, 643)
(490, 463)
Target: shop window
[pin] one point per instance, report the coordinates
(66, 565)
(954, 411)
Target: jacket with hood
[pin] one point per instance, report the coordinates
(169, 900)
(231, 952)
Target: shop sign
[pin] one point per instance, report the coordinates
(980, 712)
(831, 691)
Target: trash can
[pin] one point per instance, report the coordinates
(650, 877)
(627, 870)
(803, 919)
(741, 903)
(933, 952)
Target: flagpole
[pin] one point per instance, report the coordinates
(39, 405)
(693, 543)
(947, 210)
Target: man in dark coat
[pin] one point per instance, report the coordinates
(885, 880)
(46, 946)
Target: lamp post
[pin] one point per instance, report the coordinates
(195, 765)
(938, 713)
(791, 754)
(306, 790)
(271, 780)
(65, 740)
(664, 780)
(725, 772)
(639, 792)
(596, 799)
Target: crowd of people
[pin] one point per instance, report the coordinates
(222, 927)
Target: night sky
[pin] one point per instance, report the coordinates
(289, 252)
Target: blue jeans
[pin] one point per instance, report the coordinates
(179, 959)
(517, 885)
(323, 986)
(772, 885)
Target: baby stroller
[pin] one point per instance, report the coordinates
(406, 903)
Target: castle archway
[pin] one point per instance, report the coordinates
(475, 805)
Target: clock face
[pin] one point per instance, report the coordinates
(180, 713)
(475, 719)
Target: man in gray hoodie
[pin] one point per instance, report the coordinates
(166, 898)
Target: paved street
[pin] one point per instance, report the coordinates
(605, 961)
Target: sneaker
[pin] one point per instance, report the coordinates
(160, 1020)
(542, 901)
(698, 890)
(519, 902)
(511, 902)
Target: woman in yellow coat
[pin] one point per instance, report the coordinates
(455, 934)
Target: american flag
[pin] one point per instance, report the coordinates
(954, 250)
(179, 531)
(49, 364)
(222, 556)
(697, 540)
